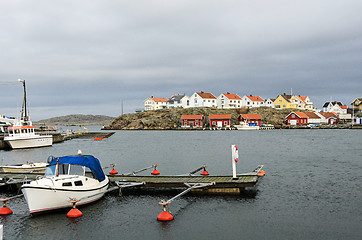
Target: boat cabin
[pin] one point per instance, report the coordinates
(21, 131)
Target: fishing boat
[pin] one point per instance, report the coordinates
(38, 167)
(70, 178)
(25, 137)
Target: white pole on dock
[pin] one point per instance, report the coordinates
(234, 159)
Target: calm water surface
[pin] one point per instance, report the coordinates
(312, 189)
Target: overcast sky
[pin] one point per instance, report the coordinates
(83, 57)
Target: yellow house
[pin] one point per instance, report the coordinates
(357, 105)
(283, 101)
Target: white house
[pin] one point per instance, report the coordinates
(202, 99)
(178, 101)
(152, 103)
(269, 103)
(336, 107)
(228, 100)
(252, 101)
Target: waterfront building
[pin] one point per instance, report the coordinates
(220, 120)
(202, 99)
(153, 103)
(192, 120)
(252, 101)
(297, 118)
(228, 100)
(250, 118)
(313, 118)
(328, 117)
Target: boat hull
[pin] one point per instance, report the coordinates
(33, 167)
(33, 142)
(46, 198)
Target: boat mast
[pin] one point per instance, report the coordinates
(24, 112)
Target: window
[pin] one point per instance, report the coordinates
(78, 183)
(67, 184)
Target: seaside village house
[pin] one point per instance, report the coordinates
(202, 99)
(250, 119)
(192, 121)
(297, 118)
(336, 107)
(290, 101)
(228, 100)
(152, 103)
(328, 117)
(176, 101)
(252, 101)
(220, 120)
(357, 105)
(269, 103)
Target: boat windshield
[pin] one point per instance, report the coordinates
(67, 169)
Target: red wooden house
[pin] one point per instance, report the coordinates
(192, 120)
(220, 120)
(250, 118)
(297, 118)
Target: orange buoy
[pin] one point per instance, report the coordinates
(5, 210)
(205, 173)
(74, 212)
(113, 171)
(155, 171)
(165, 215)
(98, 139)
(261, 173)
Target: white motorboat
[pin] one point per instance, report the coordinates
(247, 126)
(78, 178)
(25, 137)
(38, 167)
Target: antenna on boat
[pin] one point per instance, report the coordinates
(24, 111)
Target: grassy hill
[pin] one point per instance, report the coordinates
(77, 119)
(171, 118)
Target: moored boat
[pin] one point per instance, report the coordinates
(25, 137)
(38, 167)
(66, 178)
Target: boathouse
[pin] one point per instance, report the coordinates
(192, 120)
(297, 118)
(250, 118)
(220, 120)
(328, 117)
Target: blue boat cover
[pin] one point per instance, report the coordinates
(82, 160)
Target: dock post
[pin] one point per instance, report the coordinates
(234, 159)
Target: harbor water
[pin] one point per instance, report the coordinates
(312, 188)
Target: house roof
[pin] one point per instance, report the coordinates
(206, 95)
(255, 98)
(177, 97)
(344, 107)
(251, 116)
(328, 114)
(286, 97)
(303, 98)
(191, 117)
(232, 96)
(311, 115)
(299, 114)
(219, 116)
(158, 99)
